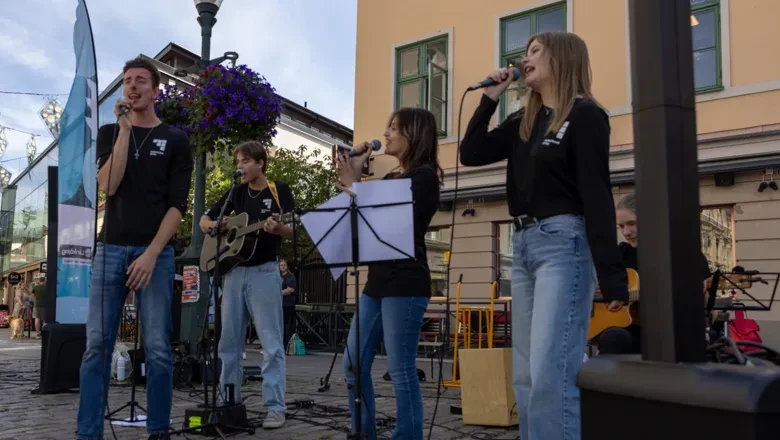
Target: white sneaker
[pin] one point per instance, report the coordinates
(273, 420)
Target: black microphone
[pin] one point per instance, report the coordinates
(123, 109)
(238, 173)
(516, 74)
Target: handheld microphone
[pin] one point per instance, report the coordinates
(375, 146)
(516, 74)
(123, 109)
(238, 173)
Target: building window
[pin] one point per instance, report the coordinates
(437, 244)
(705, 28)
(515, 32)
(717, 237)
(422, 78)
(503, 262)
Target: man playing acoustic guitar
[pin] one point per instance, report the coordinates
(255, 285)
(619, 340)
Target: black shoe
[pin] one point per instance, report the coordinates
(159, 437)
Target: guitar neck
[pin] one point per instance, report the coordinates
(254, 227)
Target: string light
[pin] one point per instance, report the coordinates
(3, 141)
(31, 149)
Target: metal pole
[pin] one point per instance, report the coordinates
(193, 314)
(667, 180)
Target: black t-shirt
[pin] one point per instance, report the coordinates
(155, 182)
(564, 172)
(289, 281)
(409, 277)
(259, 206)
(629, 254)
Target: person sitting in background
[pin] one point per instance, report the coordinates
(619, 340)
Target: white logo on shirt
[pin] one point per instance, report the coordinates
(160, 144)
(558, 137)
(267, 203)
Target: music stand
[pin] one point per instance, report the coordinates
(342, 218)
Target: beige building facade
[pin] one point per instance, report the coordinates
(425, 54)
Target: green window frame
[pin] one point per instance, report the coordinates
(512, 53)
(707, 54)
(422, 79)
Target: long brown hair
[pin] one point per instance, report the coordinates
(571, 78)
(418, 126)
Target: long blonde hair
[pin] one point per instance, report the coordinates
(571, 79)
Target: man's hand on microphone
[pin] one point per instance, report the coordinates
(123, 119)
(348, 168)
(502, 77)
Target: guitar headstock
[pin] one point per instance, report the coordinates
(729, 281)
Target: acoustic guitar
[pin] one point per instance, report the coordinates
(237, 242)
(601, 318)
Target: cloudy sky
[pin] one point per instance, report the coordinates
(304, 48)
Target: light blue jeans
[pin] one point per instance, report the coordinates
(154, 304)
(397, 322)
(553, 281)
(256, 292)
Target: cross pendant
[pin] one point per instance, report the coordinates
(136, 155)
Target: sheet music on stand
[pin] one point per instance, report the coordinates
(330, 228)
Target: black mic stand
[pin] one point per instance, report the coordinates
(132, 404)
(231, 416)
(354, 212)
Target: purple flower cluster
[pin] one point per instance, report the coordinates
(232, 104)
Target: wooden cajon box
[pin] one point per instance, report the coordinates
(486, 393)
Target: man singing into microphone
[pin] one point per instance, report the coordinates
(145, 167)
(256, 285)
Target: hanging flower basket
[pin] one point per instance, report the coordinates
(227, 106)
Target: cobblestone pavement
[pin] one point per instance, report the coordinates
(25, 416)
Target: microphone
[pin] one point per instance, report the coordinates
(238, 173)
(123, 109)
(516, 74)
(375, 146)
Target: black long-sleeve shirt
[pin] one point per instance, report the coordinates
(564, 172)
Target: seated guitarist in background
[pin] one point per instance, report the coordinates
(255, 286)
(617, 340)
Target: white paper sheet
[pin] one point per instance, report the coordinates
(393, 224)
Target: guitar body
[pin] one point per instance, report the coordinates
(602, 318)
(236, 248)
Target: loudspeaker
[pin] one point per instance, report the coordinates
(62, 349)
(724, 179)
(652, 400)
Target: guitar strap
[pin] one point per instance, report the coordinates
(272, 187)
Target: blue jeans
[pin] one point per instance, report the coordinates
(254, 291)
(397, 321)
(154, 306)
(553, 281)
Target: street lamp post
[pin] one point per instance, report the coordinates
(193, 315)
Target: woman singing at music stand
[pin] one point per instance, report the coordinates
(396, 294)
(559, 196)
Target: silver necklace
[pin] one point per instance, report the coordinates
(135, 144)
(248, 191)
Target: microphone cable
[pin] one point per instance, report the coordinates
(446, 327)
(103, 387)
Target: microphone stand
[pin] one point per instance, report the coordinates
(217, 416)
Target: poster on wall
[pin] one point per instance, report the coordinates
(77, 181)
(190, 284)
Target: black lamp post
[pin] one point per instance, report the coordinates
(192, 317)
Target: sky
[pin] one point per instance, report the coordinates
(304, 48)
